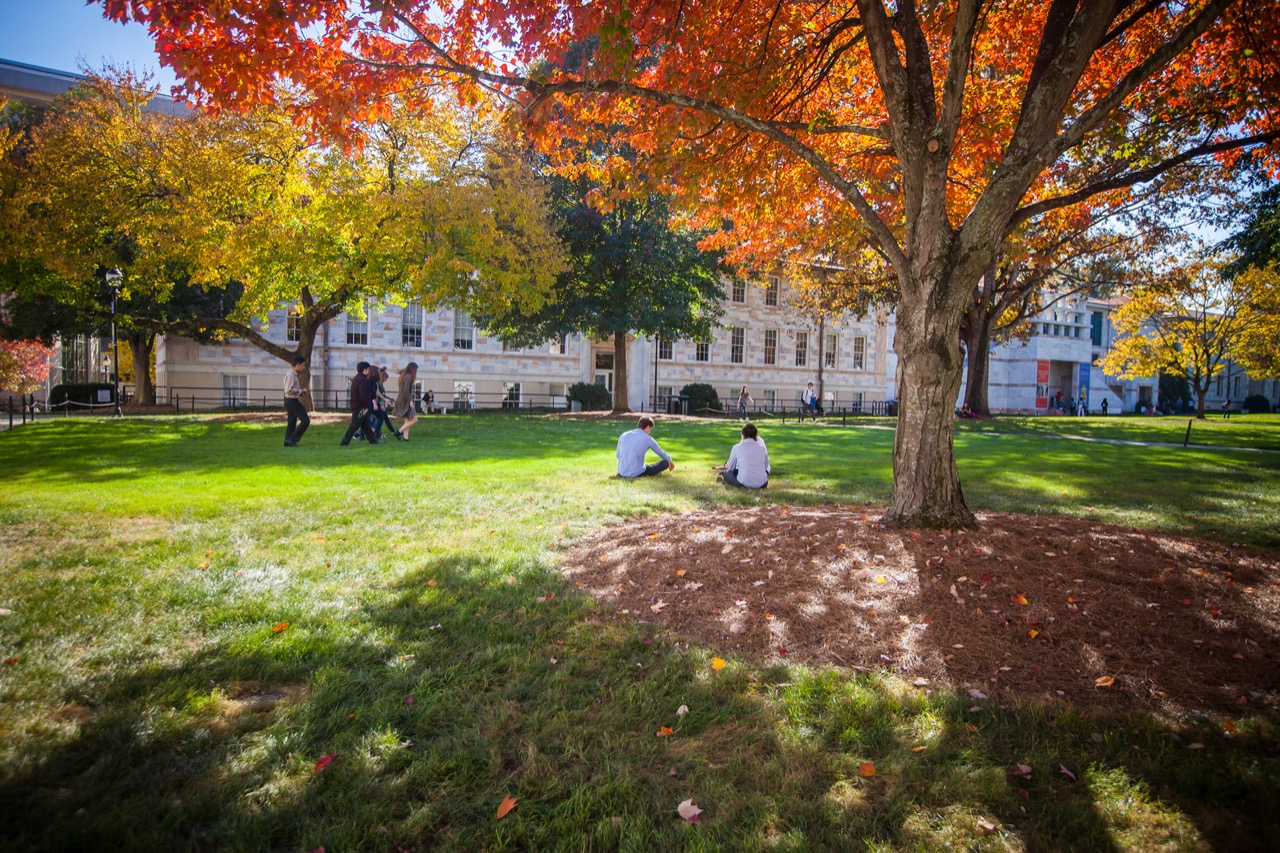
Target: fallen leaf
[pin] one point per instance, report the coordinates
(919, 748)
(653, 536)
(1020, 770)
(717, 664)
(782, 650)
(408, 700)
(325, 761)
(665, 731)
(1062, 768)
(1033, 633)
(768, 616)
(971, 728)
(11, 661)
(987, 579)
(204, 565)
(681, 572)
(758, 583)
(1195, 746)
(1105, 681)
(656, 608)
(1025, 794)
(1020, 600)
(682, 710)
(689, 811)
(508, 803)
(920, 682)
(431, 582)
(986, 827)
(977, 694)
(1228, 726)
(277, 629)
(1071, 600)
(879, 578)
(867, 769)
(435, 627)
(693, 586)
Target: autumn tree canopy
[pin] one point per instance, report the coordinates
(927, 130)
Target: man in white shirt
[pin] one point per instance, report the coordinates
(748, 464)
(298, 420)
(632, 447)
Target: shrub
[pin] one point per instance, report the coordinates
(79, 392)
(1256, 405)
(701, 396)
(594, 398)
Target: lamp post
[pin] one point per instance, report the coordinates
(113, 277)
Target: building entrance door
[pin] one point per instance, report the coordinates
(604, 370)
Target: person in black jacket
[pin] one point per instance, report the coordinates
(362, 389)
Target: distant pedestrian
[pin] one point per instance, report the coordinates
(382, 404)
(1082, 408)
(297, 418)
(1104, 407)
(809, 399)
(744, 397)
(748, 464)
(632, 447)
(404, 407)
(429, 402)
(1226, 409)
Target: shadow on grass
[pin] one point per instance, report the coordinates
(460, 684)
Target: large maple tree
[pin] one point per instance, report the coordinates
(929, 130)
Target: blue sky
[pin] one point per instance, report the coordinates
(65, 35)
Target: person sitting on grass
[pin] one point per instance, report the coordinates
(632, 447)
(748, 464)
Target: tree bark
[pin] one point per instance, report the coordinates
(621, 402)
(977, 343)
(140, 346)
(926, 483)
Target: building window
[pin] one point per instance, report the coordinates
(773, 290)
(739, 294)
(829, 353)
(292, 328)
(802, 349)
(560, 345)
(463, 394)
(770, 400)
(665, 393)
(464, 331)
(737, 346)
(411, 326)
(510, 395)
(358, 328)
(856, 405)
(1044, 329)
(859, 353)
(702, 352)
(235, 389)
(508, 346)
(770, 346)
(664, 349)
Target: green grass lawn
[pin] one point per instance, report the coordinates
(197, 616)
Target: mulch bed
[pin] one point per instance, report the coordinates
(1023, 608)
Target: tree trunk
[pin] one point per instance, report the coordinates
(977, 346)
(926, 484)
(1200, 392)
(140, 346)
(621, 404)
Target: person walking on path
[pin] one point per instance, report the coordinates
(361, 403)
(632, 447)
(744, 397)
(298, 419)
(810, 399)
(381, 404)
(748, 464)
(404, 407)
(1226, 409)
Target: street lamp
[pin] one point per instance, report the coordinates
(113, 277)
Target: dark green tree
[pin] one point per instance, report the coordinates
(630, 272)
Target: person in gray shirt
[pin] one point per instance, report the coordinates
(632, 447)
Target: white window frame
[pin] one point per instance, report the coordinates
(830, 353)
(464, 392)
(738, 292)
(773, 291)
(802, 349)
(770, 346)
(702, 352)
(737, 345)
(292, 327)
(770, 400)
(235, 389)
(464, 332)
(666, 350)
(357, 329)
(859, 353)
(411, 331)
